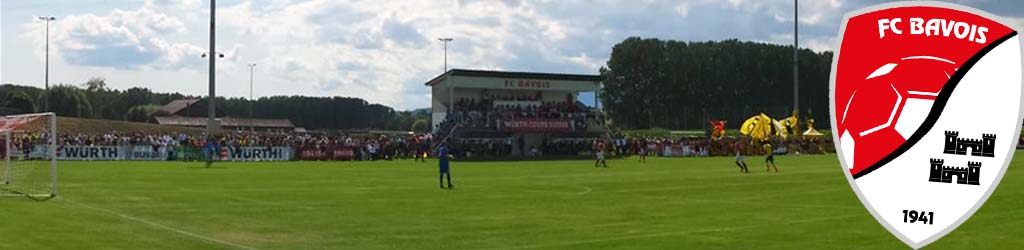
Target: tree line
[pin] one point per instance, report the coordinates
(648, 83)
(652, 83)
(93, 99)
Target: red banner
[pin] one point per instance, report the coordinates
(344, 154)
(537, 125)
(327, 153)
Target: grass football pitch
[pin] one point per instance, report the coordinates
(683, 203)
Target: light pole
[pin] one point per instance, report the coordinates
(210, 125)
(252, 68)
(796, 60)
(445, 41)
(46, 90)
(211, 115)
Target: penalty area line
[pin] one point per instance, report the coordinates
(160, 226)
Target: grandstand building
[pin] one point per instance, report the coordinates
(530, 113)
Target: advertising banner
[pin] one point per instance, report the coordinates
(259, 153)
(145, 153)
(87, 153)
(537, 125)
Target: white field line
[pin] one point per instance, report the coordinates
(670, 233)
(162, 226)
(755, 203)
(584, 190)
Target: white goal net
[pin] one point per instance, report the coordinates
(29, 150)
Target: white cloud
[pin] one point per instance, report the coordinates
(181, 4)
(820, 43)
(135, 39)
(384, 50)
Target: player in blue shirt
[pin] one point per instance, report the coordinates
(210, 149)
(442, 157)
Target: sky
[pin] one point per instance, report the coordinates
(381, 51)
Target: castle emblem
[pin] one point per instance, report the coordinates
(966, 176)
(959, 146)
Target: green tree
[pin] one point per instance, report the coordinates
(95, 84)
(651, 83)
(68, 100)
(326, 113)
(420, 126)
(17, 102)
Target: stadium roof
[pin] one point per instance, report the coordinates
(514, 75)
(225, 122)
(177, 106)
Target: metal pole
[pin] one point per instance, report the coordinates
(211, 113)
(46, 92)
(445, 41)
(252, 67)
(597, 107)
(53, 154)
(796, 57)
(445, 57)
(7, 157)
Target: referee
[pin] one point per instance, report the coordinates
(443, 157)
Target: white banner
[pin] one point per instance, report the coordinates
(103, 153)
(150, 153)
(87, 153)
(145, 153)
(259, 154)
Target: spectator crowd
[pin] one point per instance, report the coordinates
(369, 147)
(490, 110)
(388, 147)
(704, 146)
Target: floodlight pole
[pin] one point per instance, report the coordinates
(796, 57)
(46, 74)
(445, 41)
(211, 113)
(252, 68)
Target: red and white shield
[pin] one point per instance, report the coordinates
(926, 112)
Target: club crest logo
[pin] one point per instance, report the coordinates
(926, 112)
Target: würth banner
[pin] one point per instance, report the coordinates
(536, 125)
(926, 110)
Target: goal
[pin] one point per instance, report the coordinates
(29, 155)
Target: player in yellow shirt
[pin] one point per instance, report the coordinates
(769, 161)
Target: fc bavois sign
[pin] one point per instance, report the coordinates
(926, 112)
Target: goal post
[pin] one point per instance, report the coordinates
(29, 155)
(7, 157)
